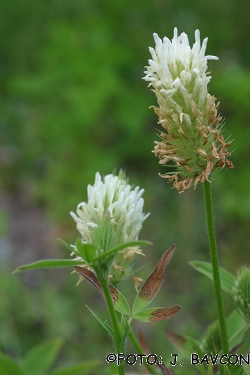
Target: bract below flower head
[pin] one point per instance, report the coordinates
(112, 215)
(192, 139)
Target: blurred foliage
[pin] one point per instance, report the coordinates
(73, 103)
(39, 359)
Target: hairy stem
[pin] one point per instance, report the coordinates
(117, 337)
(215, 266)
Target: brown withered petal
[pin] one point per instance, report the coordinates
(164, 313)
(155, 280)
(92, 278)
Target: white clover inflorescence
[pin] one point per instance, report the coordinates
(175, 66)
(114, 203)
(192, 139)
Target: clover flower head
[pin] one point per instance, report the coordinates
(192, 138)
(112, 215)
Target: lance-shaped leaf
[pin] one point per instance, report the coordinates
(119, 301)
(9, 366)
(50, 263)
(38, 359)
(76, 369)
(153, 282)
(156, 314)
(227, 278)
(105, 325)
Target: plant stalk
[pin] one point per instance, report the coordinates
(215, 267)
(117, 338)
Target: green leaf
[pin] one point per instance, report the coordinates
(210, 369)
(49, 263)
(77, 369)
(236, 326)
(86, 251)
(8, 366)
(227, 278)
(156, 314)
(111, 252)
(42, 356)
(246, 369)
(121, 304)
(104, 324)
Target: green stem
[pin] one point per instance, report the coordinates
(117, 338)
(215, 266)
(139, 349)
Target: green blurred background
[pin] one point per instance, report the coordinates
(73, 103)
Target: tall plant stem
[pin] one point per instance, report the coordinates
(215, 266)
(117, 338)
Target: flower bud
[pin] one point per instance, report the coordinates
(241, 291)
(211, 343)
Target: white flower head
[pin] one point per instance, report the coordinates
(113, 213)
(175, 66)
(192, 140)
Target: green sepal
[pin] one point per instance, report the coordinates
(86, 251)
(227, 278)
(42, 356)
(50, 263)
(104, 324)
(77, 369)
(9, 366)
